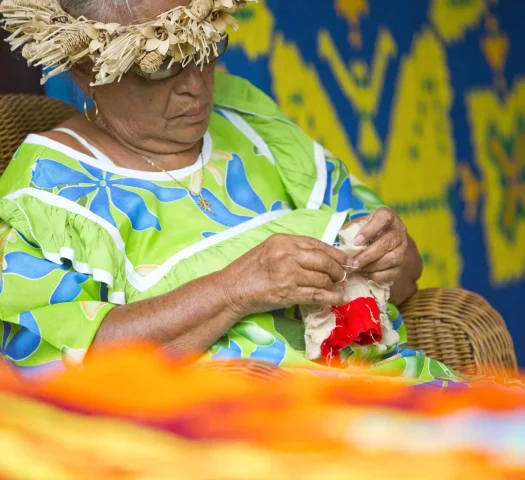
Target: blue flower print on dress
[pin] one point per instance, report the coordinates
(239, 188)
(241, 192)
(346, 200)
(269, 349)
(33, 268)
(108, 189)
(280, 205)
(229, 352)
(220, 213)
(330, 167)
(273, 353)
(24, 342)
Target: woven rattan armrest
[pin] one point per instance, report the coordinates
(460, 329)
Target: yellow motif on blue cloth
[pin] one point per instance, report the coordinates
(498, 134)
(453, 19)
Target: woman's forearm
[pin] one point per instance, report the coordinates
(412, 268)
(186, 321)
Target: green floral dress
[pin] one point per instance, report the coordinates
(80, 236)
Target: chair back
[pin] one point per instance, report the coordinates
(21, 115)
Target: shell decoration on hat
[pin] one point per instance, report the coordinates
(54, 40)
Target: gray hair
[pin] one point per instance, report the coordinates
(102, 10)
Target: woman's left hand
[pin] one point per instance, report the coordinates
(383, 260)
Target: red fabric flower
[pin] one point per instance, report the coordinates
(356, 322)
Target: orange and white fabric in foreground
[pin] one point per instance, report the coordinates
(133, 414)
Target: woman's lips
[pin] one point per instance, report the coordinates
(195, 114)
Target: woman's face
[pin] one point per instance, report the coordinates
(174, 110)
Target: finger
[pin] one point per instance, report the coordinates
(381, 219)
(390, 260)
(314, 244)
(387, 276)
(307, 278)
(319, 261)
(318, 296)
(385, 244)
(360, 219)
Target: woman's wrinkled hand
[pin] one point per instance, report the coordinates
(284, 270)
(383, 259)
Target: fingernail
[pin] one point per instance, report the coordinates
(349, 263)
(347, 299)
(356, 264)
(359, 240)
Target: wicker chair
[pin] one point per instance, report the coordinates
(457, 327)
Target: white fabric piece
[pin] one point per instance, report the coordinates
(319, 322)
(347, 237)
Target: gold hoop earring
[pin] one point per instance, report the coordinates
(86, 109)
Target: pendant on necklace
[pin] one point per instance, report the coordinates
(204, 204)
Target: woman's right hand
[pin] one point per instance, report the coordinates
(282, 271)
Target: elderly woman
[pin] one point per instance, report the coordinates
(181, 209)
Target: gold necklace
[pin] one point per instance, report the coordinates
(203, 203)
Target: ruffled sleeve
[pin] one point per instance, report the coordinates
(49, 313)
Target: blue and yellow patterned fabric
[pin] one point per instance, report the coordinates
(424, 100)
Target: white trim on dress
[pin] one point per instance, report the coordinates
(109, 166)
(244, 127)
(334, 227)
(101, 157)
(319, 190)
(137, 281)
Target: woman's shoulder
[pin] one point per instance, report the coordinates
(299, 159)
(241, 95)
(61, 140)
(58, 136)
(50, 146)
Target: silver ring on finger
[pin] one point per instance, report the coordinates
(343, 281)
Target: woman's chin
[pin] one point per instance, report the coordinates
(190, 132)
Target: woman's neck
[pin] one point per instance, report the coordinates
(166, 155)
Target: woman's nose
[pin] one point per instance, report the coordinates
(190, 81)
